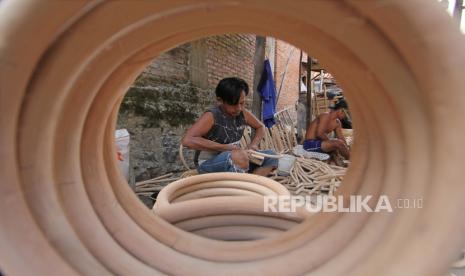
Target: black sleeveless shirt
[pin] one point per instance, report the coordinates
(226, 129)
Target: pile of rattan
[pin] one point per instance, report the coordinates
(280, 138)
(312, 177)
(308, 176)
(154, 185)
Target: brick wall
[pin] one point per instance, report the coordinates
(171, 66)
(287, 54)
(226, 56)
(230, 55)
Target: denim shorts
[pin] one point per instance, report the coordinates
(223, 163)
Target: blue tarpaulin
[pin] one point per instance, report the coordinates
(267, 90)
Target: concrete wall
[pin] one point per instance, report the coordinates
(156, 117)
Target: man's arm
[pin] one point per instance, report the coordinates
(322, 127)
(253, 122)
(193, 138)
(338, 131)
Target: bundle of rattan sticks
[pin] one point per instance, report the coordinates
(312, 177)
(280, 138)
(150, 186)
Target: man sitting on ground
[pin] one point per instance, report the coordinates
(217, 133)
(316, 137)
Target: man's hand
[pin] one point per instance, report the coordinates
(343, 140)
(254, 123)
(232, 147)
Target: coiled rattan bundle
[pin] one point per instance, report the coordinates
(65, 209)
(226, 206)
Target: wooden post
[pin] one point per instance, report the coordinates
(309, 91)
(300, 73)
(322, 86)
(258, 60)
(301, 107)
(325, 95)
(458, 11)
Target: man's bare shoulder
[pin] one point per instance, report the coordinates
(206, 117)
(323, 116)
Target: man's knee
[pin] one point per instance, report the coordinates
(269, 162)
(240, 158)
(328, 146)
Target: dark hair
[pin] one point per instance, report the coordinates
(340, 104)
(229, 90)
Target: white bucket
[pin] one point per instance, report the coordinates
(122, 147)
(285, 164)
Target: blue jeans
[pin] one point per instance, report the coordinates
(223, 163)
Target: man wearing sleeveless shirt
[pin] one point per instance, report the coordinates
(216, 134)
